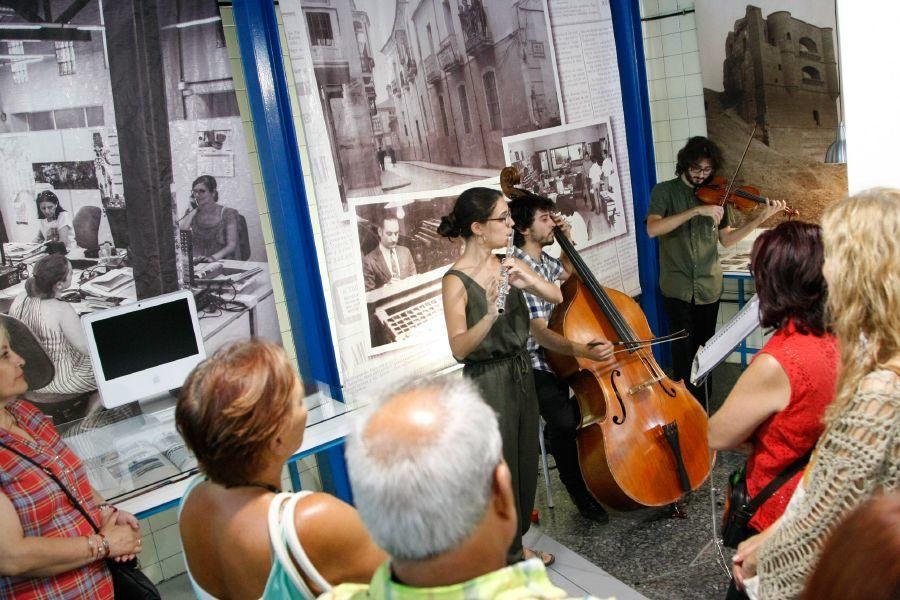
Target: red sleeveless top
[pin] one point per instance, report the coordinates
(811, 364)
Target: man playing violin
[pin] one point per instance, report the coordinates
(690, 276)
(533, 230)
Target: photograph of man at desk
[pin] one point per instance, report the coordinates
(388, 262)
(402, 259)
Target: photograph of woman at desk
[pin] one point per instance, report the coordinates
(214, 228)
(58, 328)
(54, 222)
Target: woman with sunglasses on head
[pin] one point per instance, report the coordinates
(54, 222)
(491, 343)
(689, 232)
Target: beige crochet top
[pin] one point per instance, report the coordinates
(857, 456)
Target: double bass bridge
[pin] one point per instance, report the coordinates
(645, 384)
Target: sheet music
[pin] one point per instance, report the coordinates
(726, 340)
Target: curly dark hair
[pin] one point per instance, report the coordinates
(522, 211)
(787, 267)
(696, 149)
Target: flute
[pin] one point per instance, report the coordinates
(503, 292)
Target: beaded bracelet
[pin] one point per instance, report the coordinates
(105, 543)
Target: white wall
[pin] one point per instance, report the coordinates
(871, 81)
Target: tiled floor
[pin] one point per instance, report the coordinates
(657, 556)
(575, 574)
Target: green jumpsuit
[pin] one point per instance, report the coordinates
(501, 368)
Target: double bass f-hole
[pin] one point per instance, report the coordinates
(612, 380)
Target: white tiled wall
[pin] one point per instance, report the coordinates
(162, 557)
(677, 110)
(673, 80)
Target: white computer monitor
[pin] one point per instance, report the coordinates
(142, 350)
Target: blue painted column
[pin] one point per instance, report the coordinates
(626, 18)
(282, 172)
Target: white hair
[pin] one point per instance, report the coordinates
(421, 500)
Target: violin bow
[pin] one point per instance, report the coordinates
(740, 164)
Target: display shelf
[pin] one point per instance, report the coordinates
(141, 464)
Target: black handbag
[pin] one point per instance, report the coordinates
(129, 582)
(740, 507)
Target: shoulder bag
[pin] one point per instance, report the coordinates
(740, 507)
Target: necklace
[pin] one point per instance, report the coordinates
(265, 486)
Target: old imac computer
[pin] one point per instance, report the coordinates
(141, 351)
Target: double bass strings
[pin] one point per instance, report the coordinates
(623, 329)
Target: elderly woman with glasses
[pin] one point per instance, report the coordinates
(689, 232)
(491, 343)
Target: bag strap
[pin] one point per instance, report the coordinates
(65, 490)
(788, 472)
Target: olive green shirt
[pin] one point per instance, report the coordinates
(689, 266)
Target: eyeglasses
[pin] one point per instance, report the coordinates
(505, 218)
(700, 170)
(199, 191)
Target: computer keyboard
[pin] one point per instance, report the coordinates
(403, 318)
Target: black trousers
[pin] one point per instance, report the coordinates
(561, 413)
(700, 322)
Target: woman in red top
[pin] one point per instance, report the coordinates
(776, 407)
(47, 548)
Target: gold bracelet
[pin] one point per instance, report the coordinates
(91, 547)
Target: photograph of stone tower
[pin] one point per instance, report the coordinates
(776, 67)
(780, 73)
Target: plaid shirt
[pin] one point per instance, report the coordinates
(550, 269)
(44, 510)
(527, 579)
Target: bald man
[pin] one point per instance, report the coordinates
(431, 486)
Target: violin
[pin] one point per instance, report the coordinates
(642, 438)
(718, 191)
(743, 197)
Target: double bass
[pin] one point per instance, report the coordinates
(642, 439)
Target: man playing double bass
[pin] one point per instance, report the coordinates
(690, 276)
(534, 225)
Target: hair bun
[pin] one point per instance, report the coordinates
(449, 227)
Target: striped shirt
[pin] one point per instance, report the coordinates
(550, 269)
(44, 510)
(74, 374)
(527, 579)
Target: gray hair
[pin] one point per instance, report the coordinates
(419, 501)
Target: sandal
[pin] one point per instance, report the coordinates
(547, 558)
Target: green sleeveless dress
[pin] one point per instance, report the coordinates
(501, 368)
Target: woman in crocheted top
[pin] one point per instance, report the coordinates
(858, 456)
